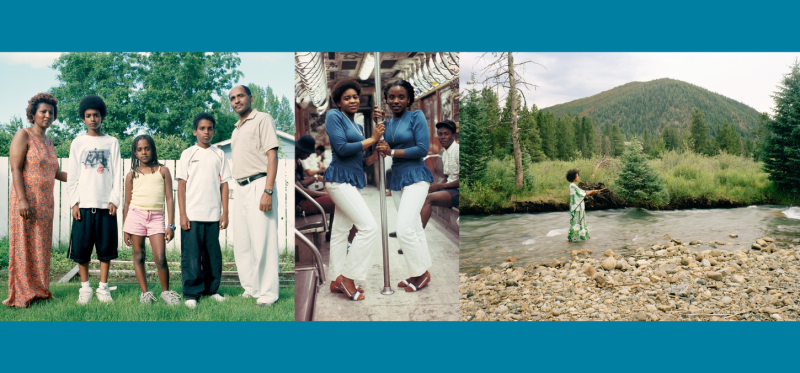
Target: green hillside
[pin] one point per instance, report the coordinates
(659, 103)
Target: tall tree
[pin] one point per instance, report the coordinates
(781, 151)
(529, 134)
(113, 76)
(699, 131)
(177, 86)
(638, 182)
(502, 72)
(566, 139)
(591, 137)
(671, 138)
(547, 129)
(617, 141)
(473, 118)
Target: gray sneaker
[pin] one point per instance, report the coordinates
(147, 297)
(170, 297)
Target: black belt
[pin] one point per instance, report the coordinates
(250, 179)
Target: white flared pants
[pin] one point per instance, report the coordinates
(351, 209)
(409, 202)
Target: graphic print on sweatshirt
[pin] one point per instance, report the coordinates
(96, 159)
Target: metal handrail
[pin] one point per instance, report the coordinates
(321, 210)
(317, 256)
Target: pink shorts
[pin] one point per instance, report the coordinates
(144, 223)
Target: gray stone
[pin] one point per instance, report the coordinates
(640, 316)
(695, 242)
(501, 310)
(701, 282)
(706, 263)
(726, 300)
(506, 265)
(680, 290)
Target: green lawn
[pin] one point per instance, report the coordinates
(126, 307)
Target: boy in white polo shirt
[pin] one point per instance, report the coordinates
(203, 176)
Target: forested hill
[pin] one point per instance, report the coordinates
(655, 104)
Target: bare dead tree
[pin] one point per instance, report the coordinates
(502, 73)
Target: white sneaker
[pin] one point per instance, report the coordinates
(104, 295)
(147, 297)
(218, 298)
(191, 303)
(170, 297)
(245, 295)
(84, 295)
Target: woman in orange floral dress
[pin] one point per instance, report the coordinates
(34, 165)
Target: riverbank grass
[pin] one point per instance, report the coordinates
(687, 176)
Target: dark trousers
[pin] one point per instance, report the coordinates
(201, 259)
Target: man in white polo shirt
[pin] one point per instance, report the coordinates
(254, 144)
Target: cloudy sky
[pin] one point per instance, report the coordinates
(750, 78)
(23, 75)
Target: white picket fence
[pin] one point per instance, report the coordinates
(62, 215)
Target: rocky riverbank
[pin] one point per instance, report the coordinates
(670, 280)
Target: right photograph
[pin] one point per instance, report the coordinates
(630, 187)
(377, 186)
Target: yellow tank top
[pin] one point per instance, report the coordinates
(148, 191)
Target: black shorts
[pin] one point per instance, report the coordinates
(453, 196)
(97, 228)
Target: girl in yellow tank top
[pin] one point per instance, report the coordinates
(147, 186)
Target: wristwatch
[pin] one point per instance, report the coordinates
(172, 227)
(268, 191)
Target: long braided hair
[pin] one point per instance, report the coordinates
(135, 163)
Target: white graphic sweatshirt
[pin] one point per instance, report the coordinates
(94, 172)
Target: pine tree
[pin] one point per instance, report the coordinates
(473, 157)
(638, 182)
(607, 147)
(671, 138)
(591, 137)
(699, 131)
(617, 141)
(547, 129)
(566, 139)
(781, 152)
(529, 135)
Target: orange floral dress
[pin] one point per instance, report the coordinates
(31, 242)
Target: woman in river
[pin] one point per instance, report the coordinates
(577, 210)
(34, 168)
(407, 141)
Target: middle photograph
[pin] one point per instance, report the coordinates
(376, 183)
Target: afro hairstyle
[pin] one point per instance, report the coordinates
(41, 98)
(92, 102)
(341, 87)
(571, 174)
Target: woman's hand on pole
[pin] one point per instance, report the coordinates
(383, 148)
(377, 133)
(378, 115)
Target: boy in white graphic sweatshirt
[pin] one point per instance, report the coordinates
(94, 194)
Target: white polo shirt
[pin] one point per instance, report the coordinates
(204, 171)
(450, 162)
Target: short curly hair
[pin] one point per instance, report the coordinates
(92, 102)
(401, 83)
(201, 116)
(341, 87)
(41, 98)
(571, 174)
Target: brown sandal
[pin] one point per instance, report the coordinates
(343, 288)
(405, 282)
(334, 289)
(424, 280)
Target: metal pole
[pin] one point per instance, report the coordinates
(387, 286)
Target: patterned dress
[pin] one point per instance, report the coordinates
(31, 242)
(577, 214)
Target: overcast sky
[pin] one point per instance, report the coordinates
(23, 75)
(750, 78)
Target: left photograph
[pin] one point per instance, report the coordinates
(146, 187)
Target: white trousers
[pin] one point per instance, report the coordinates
(351, 209)
(409, 202)
(255, 246)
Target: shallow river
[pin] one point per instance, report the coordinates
(538, 238)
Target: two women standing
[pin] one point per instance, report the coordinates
(407, 141)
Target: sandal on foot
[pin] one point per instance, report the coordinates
(334, 289)
(404, 283)
(425, 280)
(343, 288)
